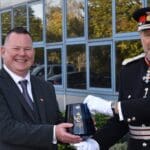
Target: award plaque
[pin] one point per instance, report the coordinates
(78, 114)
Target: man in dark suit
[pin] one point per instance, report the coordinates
(29, 113)
(131, 113)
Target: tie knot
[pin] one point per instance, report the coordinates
(23, 82)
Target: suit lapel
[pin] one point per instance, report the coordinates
(16, 93)
(38, 99)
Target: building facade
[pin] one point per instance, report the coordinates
(80, 44)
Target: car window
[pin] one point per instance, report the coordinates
(57, 70)
(70, 69)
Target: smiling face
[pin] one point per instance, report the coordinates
(18, 54)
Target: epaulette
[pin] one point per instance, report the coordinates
(128, 60)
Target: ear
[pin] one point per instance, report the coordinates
(2, 51)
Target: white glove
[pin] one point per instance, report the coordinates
(98, 105)
(89, 144)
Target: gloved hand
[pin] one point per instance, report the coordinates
(89, 144)
(98, 105)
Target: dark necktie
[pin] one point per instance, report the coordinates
(25, 93)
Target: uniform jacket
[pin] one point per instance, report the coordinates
(20, 128)
(135, 104)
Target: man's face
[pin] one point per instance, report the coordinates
(145, 39)
(18, 54)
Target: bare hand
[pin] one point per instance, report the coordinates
(65, 137)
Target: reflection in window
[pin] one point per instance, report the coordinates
(7, 3)
(36, 21)
(54, 67)
(6, 24)
(124, 11)
(100, 66)
(75, 18)
(126, 49)
(20, 16)
(100, 18)
(77, 59)
(53, 20)
(38, 68)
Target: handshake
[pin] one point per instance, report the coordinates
(95, 105)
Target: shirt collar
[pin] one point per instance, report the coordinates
(15, 77)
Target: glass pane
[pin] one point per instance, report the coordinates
(54, 67)
(126, 49)
(76, 79)
(100, 18)
(148, 3)
(124, 11)
(75, 18)
(100, 66)
(53, 20)
(36, 21)
(7, 3)
(6, 24)
(20, 16)
(38, 67)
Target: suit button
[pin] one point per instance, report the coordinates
(133, 118)
(129, 120)
(129, 96)
(144, 144)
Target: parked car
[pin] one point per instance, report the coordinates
(75, 80)
(52, 69)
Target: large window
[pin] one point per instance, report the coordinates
(38, 68)
(76, 58)
(20, 16)
(53, 21)
(100, 18)
(100, 66)
(36, 21)
(148, 2)
(75, 18)
(6, 24)
(54, 66)
(124, 11)
(80, 44)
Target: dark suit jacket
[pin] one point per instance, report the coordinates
(135, 108)
(19, 128)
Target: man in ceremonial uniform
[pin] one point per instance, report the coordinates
(131, 113)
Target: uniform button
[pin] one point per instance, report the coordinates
(133, 118)
(144, 144)
(129, 120)
(129, 96)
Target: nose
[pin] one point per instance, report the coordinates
(22, 51)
